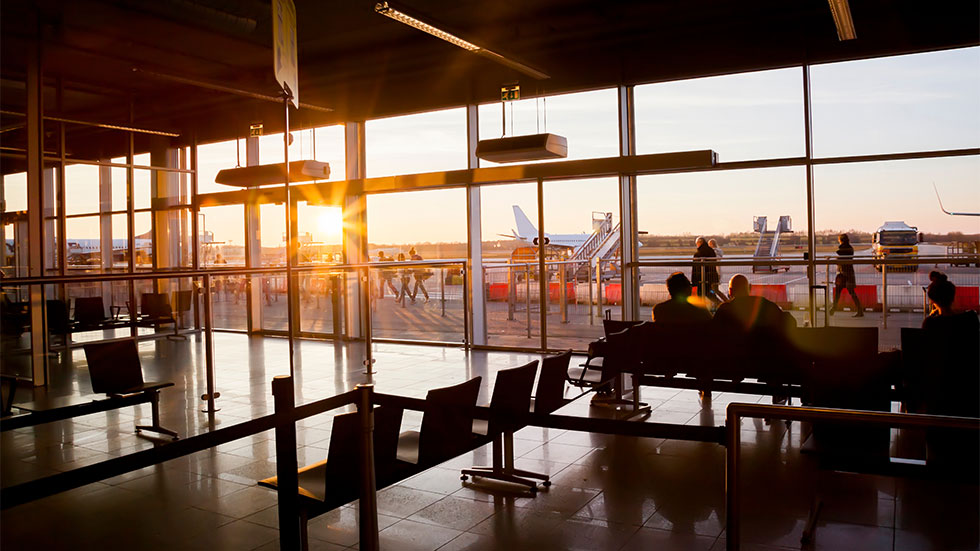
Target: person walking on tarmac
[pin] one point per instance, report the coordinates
(386, 276)
(421, 274)
(845, 276)
(405, 274)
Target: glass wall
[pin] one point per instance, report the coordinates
(418, 302)
(424, 142)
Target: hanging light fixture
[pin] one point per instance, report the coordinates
(384, 8)
(842, 19)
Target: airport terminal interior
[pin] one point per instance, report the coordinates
(683, 276)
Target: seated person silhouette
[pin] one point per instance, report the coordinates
(950, 379)
(679, 309)
(746, 312)
(942, 293)
(755, 317)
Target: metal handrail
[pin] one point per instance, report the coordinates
(783, 261)
(736, 411)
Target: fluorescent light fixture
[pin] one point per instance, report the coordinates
(842, 18)
(263, 175)
(385, 9)
(515, 149)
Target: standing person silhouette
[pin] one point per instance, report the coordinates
(845, 276)
(708, 284)
(421, 274)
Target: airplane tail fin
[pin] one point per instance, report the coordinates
(524, 226)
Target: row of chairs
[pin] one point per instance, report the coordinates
(90, 314)
(448, 429)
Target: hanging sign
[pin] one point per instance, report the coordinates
(284, 47)
(510, 93)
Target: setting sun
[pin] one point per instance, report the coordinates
(330, 223)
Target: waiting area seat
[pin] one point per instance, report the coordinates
(333, 482)
(115, 370)
(447, 427)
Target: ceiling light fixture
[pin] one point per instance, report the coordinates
(842, 19)
(385, 9)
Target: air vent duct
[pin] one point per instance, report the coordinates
(263, 175)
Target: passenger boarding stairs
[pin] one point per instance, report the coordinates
(768, 246)
(602, 244)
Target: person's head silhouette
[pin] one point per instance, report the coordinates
(738, 286)
(942, 292)
(678, 286)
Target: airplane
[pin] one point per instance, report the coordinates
(946, 211)
(527, 233)
(87, 251)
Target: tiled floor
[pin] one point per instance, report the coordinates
(609, 492)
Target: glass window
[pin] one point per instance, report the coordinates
(740, 210)
(589, 120)
(82, 194)
(222, 236)
(424, 142)
(894, 104)
(745, 116)
(214, 157)
(15, 192)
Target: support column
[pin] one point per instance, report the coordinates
(474, 243)
(628, 236)
(105, 227)
(35, 209)
(253, 243)
(355, 229)
(165, 194)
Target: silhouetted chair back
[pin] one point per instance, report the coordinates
(114, 367)
(550, 394)
(155, 306)
(8, 389)
(597, 352)
(184, 299)
(89, 312)
(447, 424)
(846, 373)
(512, 395)
(58, 321)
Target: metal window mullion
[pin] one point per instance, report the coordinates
(543, 283)
(811, 243)
(627, 205)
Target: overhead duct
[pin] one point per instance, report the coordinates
(514, 149)
(263, 175)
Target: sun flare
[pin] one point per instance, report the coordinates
(331, 222)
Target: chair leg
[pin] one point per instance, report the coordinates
(155, 412)
(811, 521)
(503, 468)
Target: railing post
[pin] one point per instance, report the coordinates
(511, 293)
(563, 293)
(442, 289)
(884, 296)
(212, 394)
(598, 286)
(467, 322)
(527, 296)
(368, 507)
(732, 512)
(290, 529)
(591, 317)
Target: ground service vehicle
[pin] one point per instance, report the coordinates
(896, 240)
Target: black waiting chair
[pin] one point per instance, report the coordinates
(550, 394)
(8, 389)
(90, 314)
(114, 368)
(447, 427)
(58, 320)
(333, 482)
(597, 352)
(511, 397)
(155, 310)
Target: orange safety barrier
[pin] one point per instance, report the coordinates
(967, 298)
(775, 293)
(497, 291)
(868, 294)
(554, 290)
(613, 293)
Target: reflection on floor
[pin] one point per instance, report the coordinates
(608, 492)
